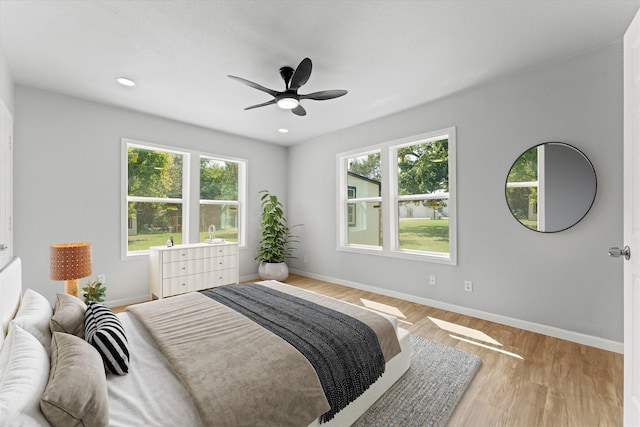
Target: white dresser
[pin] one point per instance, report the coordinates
(187, 268)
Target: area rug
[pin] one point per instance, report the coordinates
(428, 392)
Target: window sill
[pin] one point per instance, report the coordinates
(432, 257)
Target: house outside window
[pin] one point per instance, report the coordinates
(158, 198)
(398, 198)
(363, 201)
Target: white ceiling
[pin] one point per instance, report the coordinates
(389, 55)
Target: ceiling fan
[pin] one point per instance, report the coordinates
(290, 99)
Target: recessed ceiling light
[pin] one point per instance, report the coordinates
(125, 81)
(283, 130)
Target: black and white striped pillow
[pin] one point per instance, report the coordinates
(104, 331)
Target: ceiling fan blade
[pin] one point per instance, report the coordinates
(299, 111)
(264, 104)
(254, 85)
(324, 94)
(301, 75)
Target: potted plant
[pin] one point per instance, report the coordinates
(94, 291)
(274, 242)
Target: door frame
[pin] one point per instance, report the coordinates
(631, 223)
(6, 183)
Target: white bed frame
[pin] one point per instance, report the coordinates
(11, 294)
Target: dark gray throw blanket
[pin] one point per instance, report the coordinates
(344, 351)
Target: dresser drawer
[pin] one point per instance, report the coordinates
(220, 263)
(175, 255)
(221, 277)
(178, 268)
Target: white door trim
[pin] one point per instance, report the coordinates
(631, 220)
(6, 184)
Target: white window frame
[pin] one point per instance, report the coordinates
(242, 191)
(344, 201)
(390, 198)
(190, 200)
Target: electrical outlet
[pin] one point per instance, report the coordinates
(102, 278)
(468, 286)
(432, 279)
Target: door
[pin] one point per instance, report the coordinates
(631, 219)
(6, 185)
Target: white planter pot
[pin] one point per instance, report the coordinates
(273, 271)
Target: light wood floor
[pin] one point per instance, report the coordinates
(554, 383)
(526, 380)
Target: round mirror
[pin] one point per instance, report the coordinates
(551, 187)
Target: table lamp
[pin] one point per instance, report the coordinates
(70, 262)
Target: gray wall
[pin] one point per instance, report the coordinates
(6, 83)
(561, 281)
(67, 183)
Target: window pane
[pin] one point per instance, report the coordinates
(424, 168)
(154, 173)
(523, 202)
(363, 176)
(364, 223)
(218, 179)
(151, 224)
(423, 225)
(223, 217)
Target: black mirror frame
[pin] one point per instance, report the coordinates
(595, 190)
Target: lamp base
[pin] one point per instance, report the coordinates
(71, 287)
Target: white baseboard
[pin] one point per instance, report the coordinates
(551, 331)
(249, 278)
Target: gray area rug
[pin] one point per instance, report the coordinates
(428, 392)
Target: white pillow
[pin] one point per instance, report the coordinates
(24, 372)
(10, 289)
(34, 315)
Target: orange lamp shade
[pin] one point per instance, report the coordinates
(70, 262)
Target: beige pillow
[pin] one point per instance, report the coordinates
(76, 394)
(68, 315)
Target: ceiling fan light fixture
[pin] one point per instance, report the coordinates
(289, 99)
(288, 103)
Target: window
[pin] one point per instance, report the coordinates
(363, 200)
(421, 196)
(398, 199)
(158, 196)
(219, 200)
(154, 197)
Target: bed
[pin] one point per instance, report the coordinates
(153, 391)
